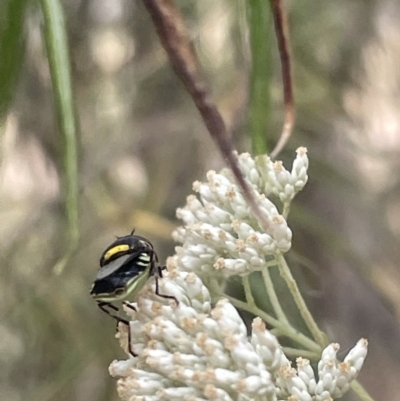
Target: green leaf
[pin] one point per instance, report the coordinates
(12, 45)
(55, 36)
(260, 23)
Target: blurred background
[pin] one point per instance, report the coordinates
(142, 144)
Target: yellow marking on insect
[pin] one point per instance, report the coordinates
(116, 249)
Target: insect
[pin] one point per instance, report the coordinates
(125, 267)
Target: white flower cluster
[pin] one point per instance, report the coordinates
(192, 352)
(334, 377)
(279, 181)
(221, 234)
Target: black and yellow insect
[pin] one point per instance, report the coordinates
(125, 267)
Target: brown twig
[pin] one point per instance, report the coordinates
(282, 34)
(172, 33)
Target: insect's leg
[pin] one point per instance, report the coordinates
(130, 306)
(158, 289)
(160, 269)
(126, 322)
(103, 307)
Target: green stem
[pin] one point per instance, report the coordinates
(295, 353)
(286, 274)
(286, 330)
(247, 292)
(360, 391)
(286, 210)
(55, 36)
(269, 286)
(216, 291)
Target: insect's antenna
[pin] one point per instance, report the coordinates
(133, 230)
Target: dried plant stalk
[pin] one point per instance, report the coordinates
(282, 35)
(172, 32)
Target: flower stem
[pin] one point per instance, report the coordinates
(295, 352)
(269, 286)
(286, 274)
(360, 391)
(286, 210)
(285, 329)
(247, 292)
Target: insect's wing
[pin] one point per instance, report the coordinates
(113, 266)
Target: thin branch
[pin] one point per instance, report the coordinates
(282, 35)
(172, 33)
